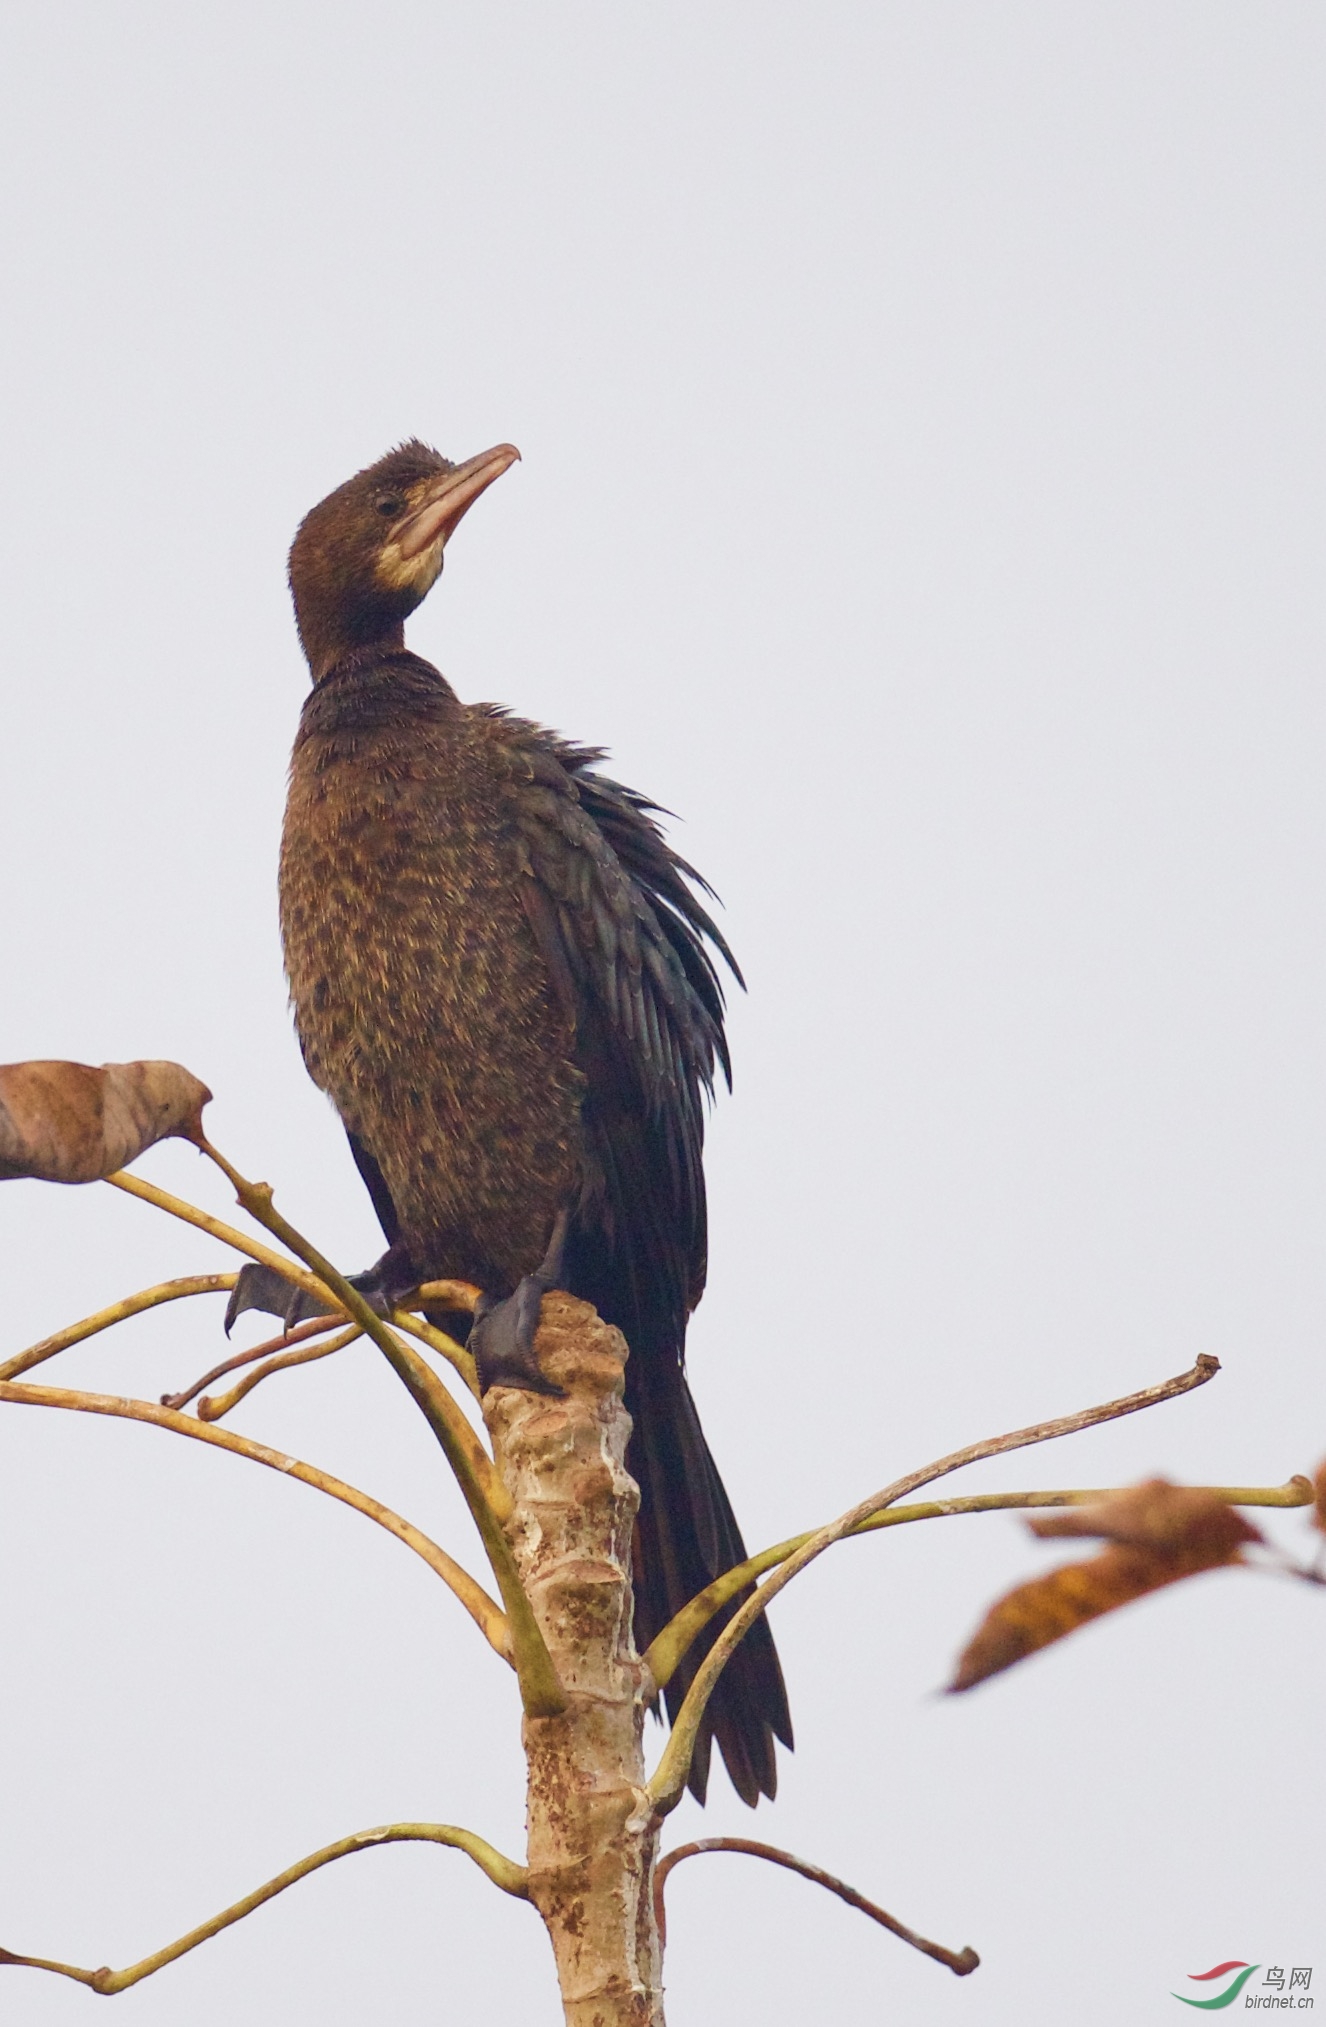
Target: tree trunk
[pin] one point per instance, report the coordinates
(592, 1837)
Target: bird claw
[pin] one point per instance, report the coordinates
(503, 1332)
(502, 1339)
(502, 1335)
(264, 1289)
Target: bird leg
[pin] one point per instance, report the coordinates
(502, 1337)
(383, 1287)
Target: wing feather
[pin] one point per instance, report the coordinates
(628, 940)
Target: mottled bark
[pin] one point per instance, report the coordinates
(592, 1837)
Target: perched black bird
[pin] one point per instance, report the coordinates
(501, 975)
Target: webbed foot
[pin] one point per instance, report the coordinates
(502, 1337)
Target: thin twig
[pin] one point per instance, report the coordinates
(437, 1340)
(440, 1410)
(115, 1312)
(460, 1295)
(668, 1648)
(316, 1326)
(485, 1612)
(209, 1410)
(203, 1221)
(669, 1779)
(212, 1410)
(484, 1493)
(962, 1962)
(467, 1456)
(502, 1871)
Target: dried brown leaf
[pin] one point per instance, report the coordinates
(68, 1122)
(1174, 1519)
(1319, 1487)
(1156, 1534)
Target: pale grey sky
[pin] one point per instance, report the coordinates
(922, 411)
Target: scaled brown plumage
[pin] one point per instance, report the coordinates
(500, 976)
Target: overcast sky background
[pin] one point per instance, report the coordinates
(922, 418)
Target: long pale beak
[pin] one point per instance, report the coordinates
(448, 497)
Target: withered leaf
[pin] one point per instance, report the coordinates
(1156, 1534)
(69, 1122)
(1319, 1487)
(1156, 1515)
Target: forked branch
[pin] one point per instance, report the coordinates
(316, 1326)
(203, 1221)
(293, 1349)
(502, 1871)
(113, 1313)
(667, 1650)
(961, 1962)
(215, 1408)
(669, 1779)
(484, 1493)
(486, 1614)
(438, 1340)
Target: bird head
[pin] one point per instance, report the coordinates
(369, 553)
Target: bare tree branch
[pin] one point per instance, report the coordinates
(471, 1463)
(203, 1221)
(962, 1962)
(485, 1612)
(449, 1295)
(209, 1410)
(437, 1340)
(502, 1871)
(115, 1312)
(485, 1495)
(667, 1649)
(669, 1779)
(316, 1326)
(444, 1417)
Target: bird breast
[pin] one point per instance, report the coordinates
(421, 1000)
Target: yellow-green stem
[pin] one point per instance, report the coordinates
(437, 1340)
(215, 1407)
(488, 1501)
(669, 1777)
(502, 1871)
(666, 1651)
(113, 1313)
(203, 1221)
(485, 1612)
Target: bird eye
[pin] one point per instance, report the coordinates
(389, 506)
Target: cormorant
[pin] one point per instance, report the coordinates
(499, 974)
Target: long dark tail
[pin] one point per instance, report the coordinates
(687, 1534)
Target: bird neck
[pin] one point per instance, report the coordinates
(375, 688)
(346, 646)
